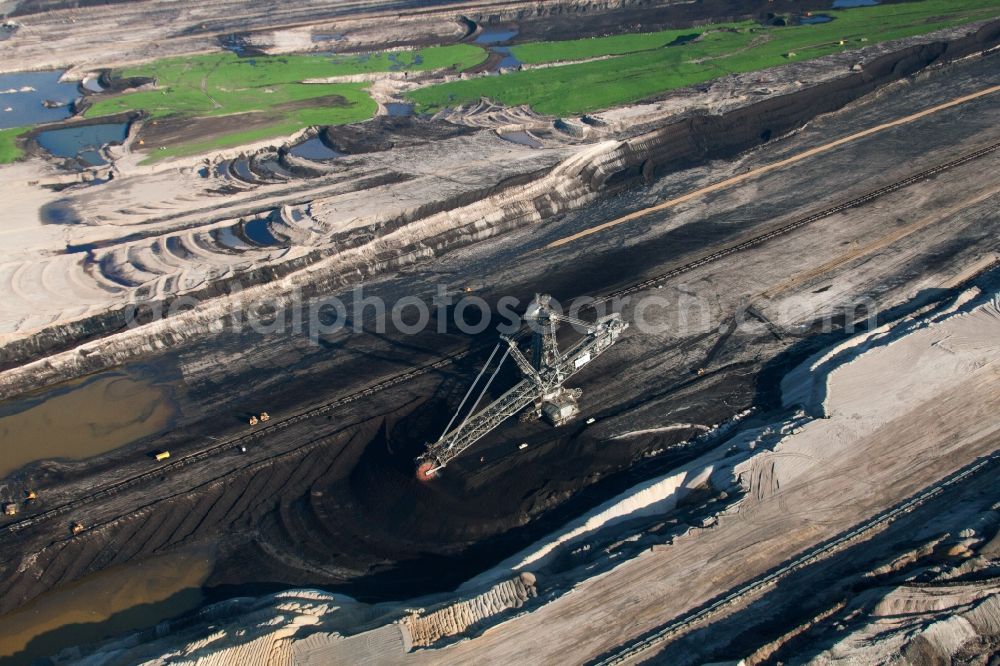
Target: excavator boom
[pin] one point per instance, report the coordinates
(542, 385)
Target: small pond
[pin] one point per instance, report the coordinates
(399, 109)
(258, 231)
(314, 149)
(83, 143)
(814, 19)
(23, 94)
(496, 35)
(509, 60)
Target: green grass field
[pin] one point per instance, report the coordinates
(223, 84)
(8, 144)
(643, 66)
(579, 49)
(636, 67)
(361, 107)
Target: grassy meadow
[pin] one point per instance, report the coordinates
(9, 150)
(223, 84)
(643, 65)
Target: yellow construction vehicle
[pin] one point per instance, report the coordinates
(162, 455)
(264, 416)
(10, 509)
(253, 420)
(76, 528)
(30, 495)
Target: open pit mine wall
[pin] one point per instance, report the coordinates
(364, 31)
(590, 17)
(546, 18)
(703, 136)
(434, 628)
(430, 230)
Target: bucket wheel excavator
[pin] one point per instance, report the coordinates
(545, 369)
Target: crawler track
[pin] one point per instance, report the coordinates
(258, 433)
(811, 556)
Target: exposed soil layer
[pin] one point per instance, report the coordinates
(661, 148)
(645, 18)
(722, 136)
(387, 132)
(331, 500)
(172, 131)
(89, 36)
(132, 32)
(782, 496)
(923, 550)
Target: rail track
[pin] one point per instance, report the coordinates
(312, 412)
(798, 224)
(228, 445)
(664, 633)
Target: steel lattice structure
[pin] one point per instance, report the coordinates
(543, 384)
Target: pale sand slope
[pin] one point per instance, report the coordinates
(888, 433)
(185, 236)
(23, 237)
(117, 34)
(164, 230)
(933, 620)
